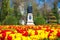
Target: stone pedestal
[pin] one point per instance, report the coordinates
(30, 19)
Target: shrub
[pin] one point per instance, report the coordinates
(10, 20)
(39, 20)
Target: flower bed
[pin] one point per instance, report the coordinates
(40, 32)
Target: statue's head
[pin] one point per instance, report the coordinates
(29, 8)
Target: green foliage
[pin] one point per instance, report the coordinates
(0, 23)
(55, 10)
(16, 11)
(58, 38)
(11, 11)
(5, 9)
(46, 39)
(10, 20)
(19, 16)
(39, 20)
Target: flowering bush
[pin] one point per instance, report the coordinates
(40, 32)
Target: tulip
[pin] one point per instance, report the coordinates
(46, 34)
(24, 38)
(58, 34)
(52, 37)
(36, 33)
(29, 31)
(25, 33)
(19, 30)
(3, 35)
(32, 33)
(51, 31)
(29, 38)
(13, 36)
(18, 35)
(9, 37)
(49, 35)
(17, 39)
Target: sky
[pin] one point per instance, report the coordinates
(40, 2)
(59, 4)
(11, 3)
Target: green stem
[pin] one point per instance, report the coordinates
(58, 38)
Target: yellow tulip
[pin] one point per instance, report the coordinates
(55, 32)
(33, 33)
(0, 35)
(24, 38)
(29, 31)
(52, 37)
(17, 38)
(29, 38)
(40, 31)
(18, 34)
(46, 34)
(37, 37)
(13, 36)
(15, 31)
(7, 33)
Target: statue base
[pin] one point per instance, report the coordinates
(30, 23)
(30, 19)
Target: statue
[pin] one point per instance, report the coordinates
(30, 16)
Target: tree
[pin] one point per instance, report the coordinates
(55, 9)
(17, 12)
(10, 20)
(39, 20)
(5, 9)
(35, 9)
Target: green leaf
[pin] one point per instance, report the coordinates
(58, 38)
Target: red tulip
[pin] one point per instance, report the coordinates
(20, 30)
(47, 30)
(36, 33)
(0, 27)
(49, 35)
(25, 33)
(4, 31)
(51, 31)
(3, 36)
(36, 28)
(58, 34)
(9, 38)
(47, 27)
